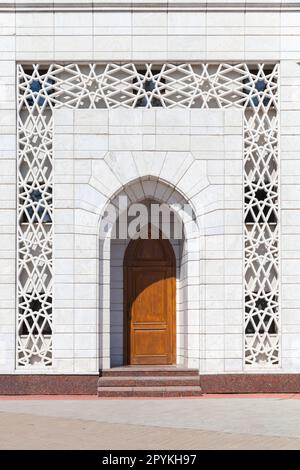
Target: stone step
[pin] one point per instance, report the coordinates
(169, 391)
(148, 371)
(149, 381)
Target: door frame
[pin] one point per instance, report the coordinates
(128, 258)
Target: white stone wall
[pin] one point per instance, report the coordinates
(204, 32)
(290, 209)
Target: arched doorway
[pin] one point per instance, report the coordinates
(113, 344)
(150, 302)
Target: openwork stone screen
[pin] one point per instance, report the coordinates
(45, 87)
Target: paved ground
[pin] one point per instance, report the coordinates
(199, 423)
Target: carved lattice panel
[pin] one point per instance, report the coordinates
(251, 87)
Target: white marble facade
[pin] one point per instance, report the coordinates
(194, 155)
(99, 154)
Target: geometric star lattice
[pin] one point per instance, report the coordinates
(253, 88)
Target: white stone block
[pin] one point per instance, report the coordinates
(149, 44)
(123, 165)
(63, 341)
(112, 44)
(105, 19)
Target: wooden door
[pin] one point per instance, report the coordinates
(149, 291)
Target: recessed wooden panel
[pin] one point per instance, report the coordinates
(149, 291)
(150, 302)
(144, 346)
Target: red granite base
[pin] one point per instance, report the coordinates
(250, 383)
(87, 384)
(48, 384)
